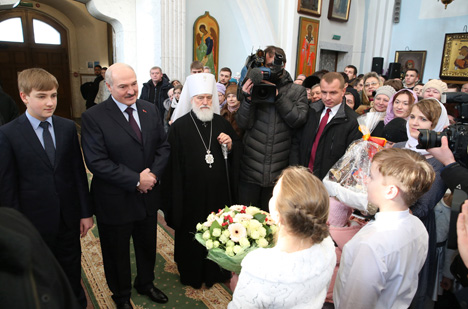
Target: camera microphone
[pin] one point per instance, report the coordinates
(256, 76)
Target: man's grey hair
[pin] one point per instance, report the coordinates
(109, 71)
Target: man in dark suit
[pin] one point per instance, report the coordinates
(126, 149)
(42, 173)
(330, 128)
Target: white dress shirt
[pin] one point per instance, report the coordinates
(380, 264)
(123, 107)
(35, 123)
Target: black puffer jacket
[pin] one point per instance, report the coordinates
(268, 132)
(341, 131)
(148, 93)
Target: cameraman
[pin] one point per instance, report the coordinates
(453, 173)
(268, 129)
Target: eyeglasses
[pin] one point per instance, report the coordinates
(371, 84)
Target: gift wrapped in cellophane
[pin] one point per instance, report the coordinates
(346, 180)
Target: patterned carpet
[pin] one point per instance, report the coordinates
(167, 279)
(167, 276)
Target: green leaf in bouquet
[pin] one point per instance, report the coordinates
(214, 225)
(260, 217)
(268, 229)
(226, 209)
(199, 238)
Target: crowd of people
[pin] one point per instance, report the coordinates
(189, 149)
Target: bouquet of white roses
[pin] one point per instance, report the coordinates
(233, 232)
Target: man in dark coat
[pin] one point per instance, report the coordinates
(42, 173)
(155, 90)
(340, 129)
(8, 108)
(269, 128)
(126, 149)
(91, 95)
(197, 177)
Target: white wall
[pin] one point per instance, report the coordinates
(232, 32)
(246, 25)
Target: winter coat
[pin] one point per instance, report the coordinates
(162, 89)
(341, 131)
(269, 130)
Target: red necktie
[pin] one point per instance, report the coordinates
(322, 125)
(133, 123)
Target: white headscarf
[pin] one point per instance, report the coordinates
(441, 124)
(201, 83)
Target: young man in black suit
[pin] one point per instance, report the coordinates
(126, 149)
(42, 173)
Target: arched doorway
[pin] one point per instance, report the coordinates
(34, 39)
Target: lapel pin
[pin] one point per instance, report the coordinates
(144, 111)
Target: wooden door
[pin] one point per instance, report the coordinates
(17, 56)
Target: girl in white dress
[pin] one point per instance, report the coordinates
(297, 271)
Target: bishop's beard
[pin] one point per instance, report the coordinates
(204, 114)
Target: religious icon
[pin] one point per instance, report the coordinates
(307, 46)
(411, 59)
(206, 42)
(455, 57)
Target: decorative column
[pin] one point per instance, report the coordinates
(173, 39)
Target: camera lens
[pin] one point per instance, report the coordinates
(262, 93)
(429, 139)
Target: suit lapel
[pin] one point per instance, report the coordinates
(144, 122)
(59, 132)
(24, 126)
(118, 116)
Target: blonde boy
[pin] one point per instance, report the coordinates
(380, 265)
(43, 176)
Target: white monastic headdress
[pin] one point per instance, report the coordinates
(201, 83)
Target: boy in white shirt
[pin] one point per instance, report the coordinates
(380, 264)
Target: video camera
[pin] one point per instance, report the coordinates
(457, 134)
(256, 71)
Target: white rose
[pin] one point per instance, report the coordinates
(262, 243)
(206, 235)
(209, 244)
(255, 234)
(223, 239)
(216, 232)
(238, 249)
(244, 242)
(230, 251)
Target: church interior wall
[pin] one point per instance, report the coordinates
(234, 43)
(423, 25)
(244, 27)
(87, 41)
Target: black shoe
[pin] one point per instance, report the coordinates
(124, 305)
(156, 295)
